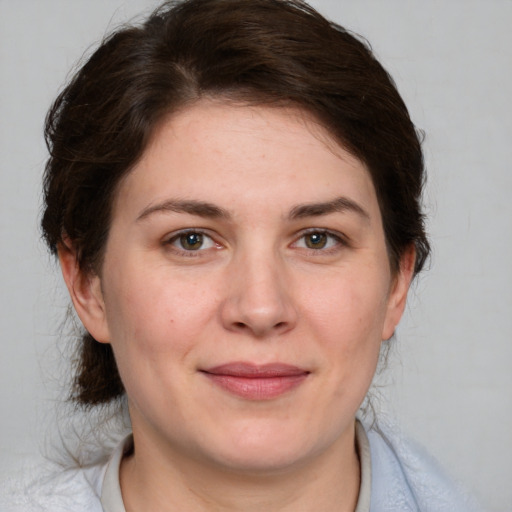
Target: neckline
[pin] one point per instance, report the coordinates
(112, 499)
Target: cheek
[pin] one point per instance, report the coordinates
(348, 320)
(152, 313)
(350, 309)
(156, 331)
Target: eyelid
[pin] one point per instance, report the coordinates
(341, 239)
(169, 239)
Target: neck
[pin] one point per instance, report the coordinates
(165, 481)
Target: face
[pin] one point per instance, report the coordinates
(245, 289)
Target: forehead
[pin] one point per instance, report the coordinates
(223, 152)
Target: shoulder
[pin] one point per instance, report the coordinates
(50, 488)
(406, 478)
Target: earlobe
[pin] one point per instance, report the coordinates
(398, 294)
(86, 295)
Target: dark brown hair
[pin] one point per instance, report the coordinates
(263, 52)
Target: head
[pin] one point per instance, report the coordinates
(277, 54)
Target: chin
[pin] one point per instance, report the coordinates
(262, 461)
(259, 450)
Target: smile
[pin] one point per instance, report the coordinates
(254, 382)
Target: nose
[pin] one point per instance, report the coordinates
(258, 298)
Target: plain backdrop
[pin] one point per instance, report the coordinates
(449, 382)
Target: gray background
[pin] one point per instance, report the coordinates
(449, 381)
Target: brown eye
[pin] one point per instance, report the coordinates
(191, 241)
(315, 240)
(320, 240)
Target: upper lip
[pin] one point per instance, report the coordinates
(254, 371)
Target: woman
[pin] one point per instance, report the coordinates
(233, 192)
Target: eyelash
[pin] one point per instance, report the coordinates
(189, 253)
(339, 241)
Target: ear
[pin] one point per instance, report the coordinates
(398, 293)
(86, 294)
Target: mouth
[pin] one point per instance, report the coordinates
(256, 382)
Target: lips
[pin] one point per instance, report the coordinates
(256, 382)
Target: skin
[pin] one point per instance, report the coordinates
(257, 290)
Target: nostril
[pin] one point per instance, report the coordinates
(242, 325)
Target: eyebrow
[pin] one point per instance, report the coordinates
(339, 204)
(199, 208)
(212, 211)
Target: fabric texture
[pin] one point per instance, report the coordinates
(404, 478)
(407, 479)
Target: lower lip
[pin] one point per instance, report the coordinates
(257, 388)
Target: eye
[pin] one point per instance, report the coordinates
(191, 241)
(318, 240)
